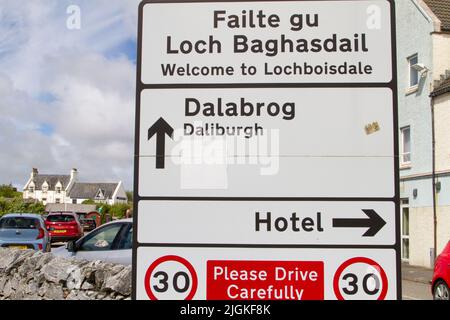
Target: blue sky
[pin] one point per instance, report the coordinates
(67, 94)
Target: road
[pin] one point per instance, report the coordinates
(416, 290)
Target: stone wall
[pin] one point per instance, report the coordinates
(31, 275)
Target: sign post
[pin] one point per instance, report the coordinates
(266, 159)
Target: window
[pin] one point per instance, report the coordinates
(60, 218)
(57, 200)
(101, 240)
(74, 201)
(405, 229)
(405, 152)
(19, 223)
(58, 190)
(126, 242)
(413, 73)
(31, 189)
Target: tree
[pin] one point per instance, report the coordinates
(129, 196)
(8, 191)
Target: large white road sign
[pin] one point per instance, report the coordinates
(266, 138)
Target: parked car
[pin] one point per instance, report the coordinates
(63, 226)
(88, 224)
(24, 231)
(441, 276)
(111, 242)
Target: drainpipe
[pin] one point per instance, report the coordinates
(433, 155)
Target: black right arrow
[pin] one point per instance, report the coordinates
(160, 128)
(375, 223)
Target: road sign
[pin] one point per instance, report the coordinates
(267, 274)
(267, 222)
(266, 140)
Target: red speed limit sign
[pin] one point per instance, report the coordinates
(360, 279)
(171, 277)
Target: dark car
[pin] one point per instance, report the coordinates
(441, 276)
(64, 226)
(88, 224)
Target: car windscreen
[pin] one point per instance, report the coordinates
(19, 223)
(61, 218)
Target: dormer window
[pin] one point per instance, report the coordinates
(58, 190)
(44, 188)
(100, 194)
(31, 189)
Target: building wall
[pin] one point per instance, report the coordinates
(442, 127)
(421, 236)
(414, 27)
(441, 54)
(413, 36)
(120, 196)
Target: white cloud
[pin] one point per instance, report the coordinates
(67, 80)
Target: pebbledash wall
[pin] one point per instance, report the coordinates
(419, 32)
(32, 275)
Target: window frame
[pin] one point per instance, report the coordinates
(114, 244)
(413, 87)
(404, 204)
(402, 147)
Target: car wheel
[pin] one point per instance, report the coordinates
(441, 291)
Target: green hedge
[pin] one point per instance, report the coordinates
(18, 205)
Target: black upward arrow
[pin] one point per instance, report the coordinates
(375, 223)
(160, 128)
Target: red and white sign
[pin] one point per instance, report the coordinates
(264, 280)
(360, 279)
(171, 277)
(265, 274)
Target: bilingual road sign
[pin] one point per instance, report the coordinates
(266, 145)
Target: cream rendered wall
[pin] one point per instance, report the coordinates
(420, 236)
(443, 229)
(441, 54)
(442, 127)
(442, 123)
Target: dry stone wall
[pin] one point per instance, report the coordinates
(31, 275)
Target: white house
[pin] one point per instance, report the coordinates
(50, 188)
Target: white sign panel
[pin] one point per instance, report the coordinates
(271, 42)
(268, 142)
(267, 222)
(168, 273)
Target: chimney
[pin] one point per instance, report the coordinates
(34, 173)
(74, 174)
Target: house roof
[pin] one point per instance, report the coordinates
(70, 207)
(52, 180)
(92, 190)
(442, 88)
(441, 9)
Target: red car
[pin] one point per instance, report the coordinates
(64, 226)
(441, 276)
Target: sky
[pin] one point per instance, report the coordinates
(67, 89)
